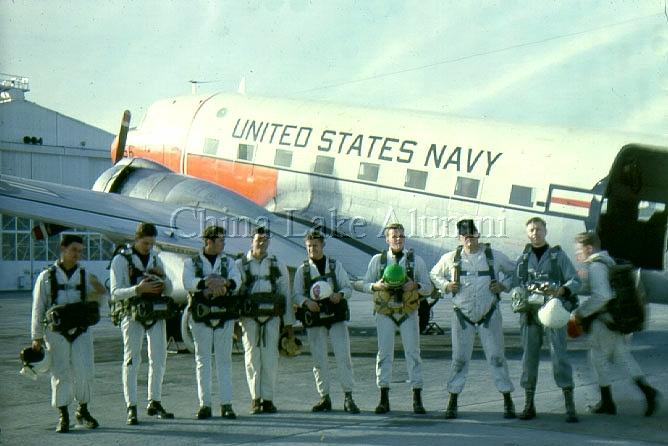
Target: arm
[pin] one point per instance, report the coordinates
(504, 265)
(299, 294)
(343, 280)
(39, 305)
(284, 288)
(422, 277)
(601, 293)
(191, 283)
(167, 282)
(569, 274)
(371, 276)
(119, 279)
(234, 275)
(440, 273)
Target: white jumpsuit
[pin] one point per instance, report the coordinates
(209, 340)
(133, 332)
(338, 332)
(475, 301)
(72, 365)
(409, 328)
(261, 339)
(608, 347)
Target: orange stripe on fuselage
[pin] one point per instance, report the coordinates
(256, 183)
(170, 157)
(571, 202)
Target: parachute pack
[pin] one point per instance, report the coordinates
(627, 307)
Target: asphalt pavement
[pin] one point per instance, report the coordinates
(26, 417)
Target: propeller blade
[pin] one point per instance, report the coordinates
(118, 145)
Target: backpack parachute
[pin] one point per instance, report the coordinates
(627, 307)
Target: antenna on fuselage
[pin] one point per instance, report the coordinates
(242, 86)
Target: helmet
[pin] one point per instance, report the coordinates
(553, 314)
(573, 329)
(34, 363)
(289, 346)
(394, 275)
(321, 290)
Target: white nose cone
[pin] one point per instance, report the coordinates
(321, 290)
(553, 314)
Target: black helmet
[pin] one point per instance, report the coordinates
(34, 362)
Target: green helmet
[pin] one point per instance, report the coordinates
(394, 275)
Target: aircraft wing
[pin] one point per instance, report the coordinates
(117, 216)
(179, 227)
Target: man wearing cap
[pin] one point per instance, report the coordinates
(404, 317)
(212, 278)
(470, 275)
(265, 279)
(541, 264)
(316, 268)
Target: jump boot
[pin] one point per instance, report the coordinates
(451, 410)
(651, 395)
(324, 405)
(384, 403)
(84, 417)
(418, 408)
(569, 403)
(529, 412)
(63, 425)
(508, 406)
(155, 408)
(349, 404)
(606, 405)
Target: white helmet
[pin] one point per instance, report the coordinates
(35, 362)
(553, 314)
(321, 290)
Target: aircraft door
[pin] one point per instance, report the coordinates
(634, 214)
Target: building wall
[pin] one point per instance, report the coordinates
(71, 153)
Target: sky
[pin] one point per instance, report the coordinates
(586, 64)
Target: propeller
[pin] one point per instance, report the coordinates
(118, 145)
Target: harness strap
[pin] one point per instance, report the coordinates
(484, 321)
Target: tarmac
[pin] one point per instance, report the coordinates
(26, 417)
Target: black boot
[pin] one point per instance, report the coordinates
(569, 403)
(204, 413)
(349, 404)
(268, 406)
(451, 410)
(508, 406)
(384, 403)
(84, 417)
(132, 416)
(529, 412)
(606, 405)
(418, 408)
(64, 420)
(324, 405)
(651, 395)
(155, 408)
(227, 412)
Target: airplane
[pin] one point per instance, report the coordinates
(351, 170)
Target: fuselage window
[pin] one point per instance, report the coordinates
(210, 146)
(245, 152)
(368, 172)
(283, 158)
(324, 165)
(467, 187)
(521, 195)
(416, 179)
